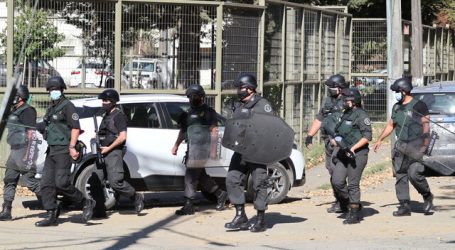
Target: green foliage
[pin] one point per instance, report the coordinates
(43, 35)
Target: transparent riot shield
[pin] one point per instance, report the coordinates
(24, 147)
(433, 147)
(204, 147)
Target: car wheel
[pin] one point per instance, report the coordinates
(91, 187)
(280, 184)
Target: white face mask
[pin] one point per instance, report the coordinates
(398, 96)
(55, 94)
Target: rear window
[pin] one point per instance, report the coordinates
(438, 103)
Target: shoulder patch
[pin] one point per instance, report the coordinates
(267, 108)
(367, 121)
(75, 116)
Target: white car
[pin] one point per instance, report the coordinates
(149, 164)
(144, 73)
(96, 74)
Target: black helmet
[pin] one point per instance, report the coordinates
(55, 82)
(352, 94)
(195, 89)
(23, 93)
(402, 84)
(337, 81)
(109, 94)
(246, 80)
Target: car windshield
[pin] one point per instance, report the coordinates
(438, 103)
(143, 66)
(92, 66)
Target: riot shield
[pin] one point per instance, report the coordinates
(435, 149)
(204, 147)
(263, 138)
(24, 149)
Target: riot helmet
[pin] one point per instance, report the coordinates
(337, 81)
(402, 85)
(109, 94)
(352, 94)
(55, 82)
(195, 93)
(23, 92)
(246, 81)
(195, 89)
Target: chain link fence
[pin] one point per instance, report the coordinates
(369, 59)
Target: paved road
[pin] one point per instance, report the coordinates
(299, 223)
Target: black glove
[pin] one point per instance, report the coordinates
(41, 127)
(308, 140)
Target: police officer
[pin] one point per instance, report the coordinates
(112, 133)
(61, 131)
(22, 139)
(353, 132)
(201, 115)
(326, 119)
(251, 102)
(410, 119)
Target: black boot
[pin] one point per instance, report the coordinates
(87, 210)
(259, 225)
(6, 212)
(50, 220)
(187, 209)
(428, 203)
(354, 215)
(138, 202)
(221, 199)
(403, 210)
(239, 219)
(336, 208)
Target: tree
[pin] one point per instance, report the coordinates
(43, 36)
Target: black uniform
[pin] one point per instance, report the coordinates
(235, 179)
(21, 121)
(204, 117)
(61, 117)
(113, 123)
(354, 125)
(407, 151)
(329, 115)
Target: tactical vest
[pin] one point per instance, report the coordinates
(108, 132)
(57, 133)
(408, 122)
(348, 129)
(332, 112)
(16, 129)
(198, 125)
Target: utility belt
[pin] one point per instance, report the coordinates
(361, 148)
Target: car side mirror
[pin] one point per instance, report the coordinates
(158, 70)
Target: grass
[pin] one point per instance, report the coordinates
(325, 186)
(371, 170)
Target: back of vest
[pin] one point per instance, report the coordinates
(16, 129)
(408, 122)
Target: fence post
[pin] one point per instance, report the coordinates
(118, 46)
(10, 41)
(219, 55)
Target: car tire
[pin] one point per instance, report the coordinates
(280, 187)
(90, 186)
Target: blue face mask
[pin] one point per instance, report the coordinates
(55, 94)
(398, 96)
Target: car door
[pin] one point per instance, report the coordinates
(148, 144)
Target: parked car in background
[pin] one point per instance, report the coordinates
(96, 74)
(148, 162)
(36, 73)
(144, 73)
(440, 99)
